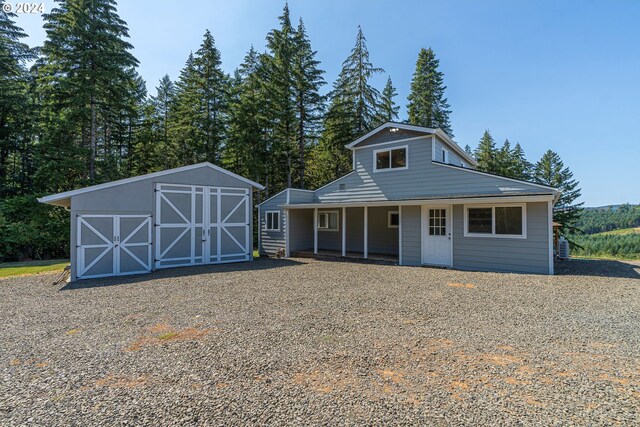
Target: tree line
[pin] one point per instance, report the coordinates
(75, 112)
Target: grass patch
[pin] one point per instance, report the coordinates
(256, 254)
(167, 335)
(609, 257)
(9, 269)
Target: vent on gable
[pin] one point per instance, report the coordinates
(342, 187)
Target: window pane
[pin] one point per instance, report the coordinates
(276, 220)
(479, 220)
(383, 160)
(399, 158)
(322, 220)
(269, 221)
(394, 219)
(333, 221)
(509, 220)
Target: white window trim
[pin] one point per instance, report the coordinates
(389, 149)
(493, 234)
(389, 225)
(337, 221)
(266, 222)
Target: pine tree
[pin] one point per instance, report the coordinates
(163, 106)
(468, 150)
(520, 167)
(550, 170)
(427, 103)
(309, 104)
(504, 161)
(17, 108)
(198, 126)
(84, 79)
(486, 154)
(280, 86)
(354, 108)
(388, 108)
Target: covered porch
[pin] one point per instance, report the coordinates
(363, 232)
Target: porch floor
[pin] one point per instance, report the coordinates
(323, 253)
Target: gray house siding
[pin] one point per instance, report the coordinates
(530, 255)
(300, 196)
(411, 235)
(454, 158)
(355, 230)
(422, 179)
(271, 241)
(331, 240)
(386, 135)
(300, 230)
(382, 239)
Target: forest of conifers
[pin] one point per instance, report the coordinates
(75, 112)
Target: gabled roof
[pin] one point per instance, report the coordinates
(428, 131)
(60, 198)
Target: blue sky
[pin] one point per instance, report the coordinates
(547, 74)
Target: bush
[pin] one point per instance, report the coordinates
(31, 230)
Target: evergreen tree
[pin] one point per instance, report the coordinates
(247, 151)
(468, 150)
(550, 170)
(388, 108)
(486, 154)
(280, 86)
(354, 108)
(16, 109)
(84, 80)
(520, 167)
(162, 107)
(427, 103)
(309, 104)
(198, 126)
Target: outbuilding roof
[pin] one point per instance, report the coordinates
(62, 199)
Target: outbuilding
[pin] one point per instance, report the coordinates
(192, 215)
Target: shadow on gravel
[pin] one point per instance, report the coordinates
(598, 267)
(256, 265)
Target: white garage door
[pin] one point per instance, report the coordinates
(201, 225)
(113, 245)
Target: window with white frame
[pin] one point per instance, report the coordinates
(393, 219)
(445, 156)
(495, 221)
(390, 159)
(328, 221)
(272, 220)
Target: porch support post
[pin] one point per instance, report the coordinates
(366, 232)
(344, 231)
(287, 252)
(400, 235)
(315, 231)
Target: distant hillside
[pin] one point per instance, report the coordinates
(609, 218)
(621, 243)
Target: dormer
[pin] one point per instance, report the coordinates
(394, 147)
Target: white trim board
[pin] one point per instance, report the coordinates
(67, 194)
(455, 201)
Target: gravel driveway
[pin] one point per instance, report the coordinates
(316, 342)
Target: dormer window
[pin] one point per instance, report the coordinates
(390, 159)
(445, 156)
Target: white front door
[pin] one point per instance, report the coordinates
(436, 235)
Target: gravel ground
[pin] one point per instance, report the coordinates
(291, 342)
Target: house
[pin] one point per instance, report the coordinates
(193, 215)
(415, 197)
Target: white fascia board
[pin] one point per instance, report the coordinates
(455, 201)
(390, 125)
(67, 194)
